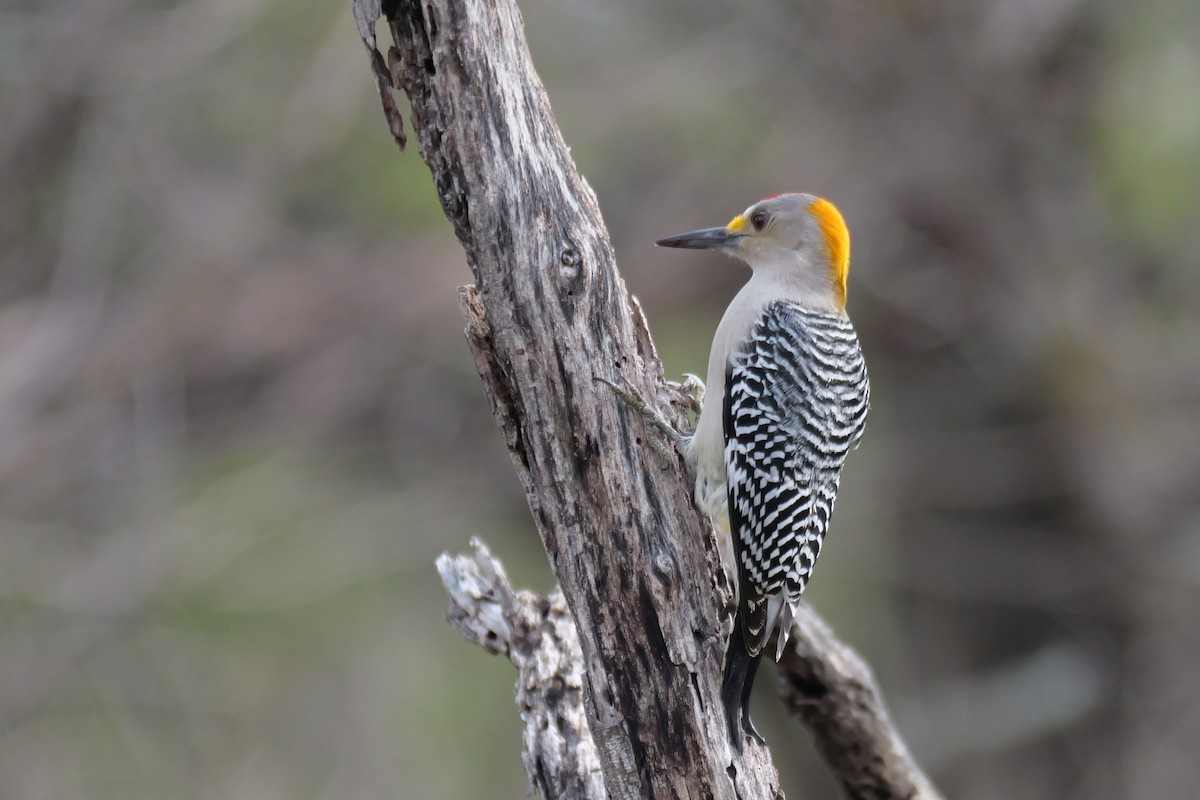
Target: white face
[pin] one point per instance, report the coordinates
(798, 238)
(777, 230)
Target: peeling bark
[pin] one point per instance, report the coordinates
(538, 636)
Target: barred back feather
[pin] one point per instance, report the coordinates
(795, 402)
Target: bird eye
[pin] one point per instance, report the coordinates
(759, 220)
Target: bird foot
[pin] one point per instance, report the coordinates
(689, 393)
(665, 437)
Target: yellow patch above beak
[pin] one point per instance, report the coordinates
(737, 224)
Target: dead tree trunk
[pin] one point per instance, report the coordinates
(636, 563)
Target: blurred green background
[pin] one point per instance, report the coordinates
(238, 420)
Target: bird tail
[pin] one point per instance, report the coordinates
(740, 669)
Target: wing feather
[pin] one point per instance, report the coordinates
(795, 403)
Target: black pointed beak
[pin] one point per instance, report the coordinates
(706, 239)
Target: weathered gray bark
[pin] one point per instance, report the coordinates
(831, 689)
(549, 315)
(538, 636)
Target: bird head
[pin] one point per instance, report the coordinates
(800, 237)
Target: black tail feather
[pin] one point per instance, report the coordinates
(740, 669)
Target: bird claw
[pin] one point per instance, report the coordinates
(658, 423)
(689, 393)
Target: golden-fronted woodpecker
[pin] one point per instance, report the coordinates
(787, 398)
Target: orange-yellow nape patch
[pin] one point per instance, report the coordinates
(837, 240)
(737, 224)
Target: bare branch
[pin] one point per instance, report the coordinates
(833, 692)
(539, 638)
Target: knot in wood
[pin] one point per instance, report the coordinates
(570, 265)
(570, 277)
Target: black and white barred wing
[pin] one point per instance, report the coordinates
(795, 403)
